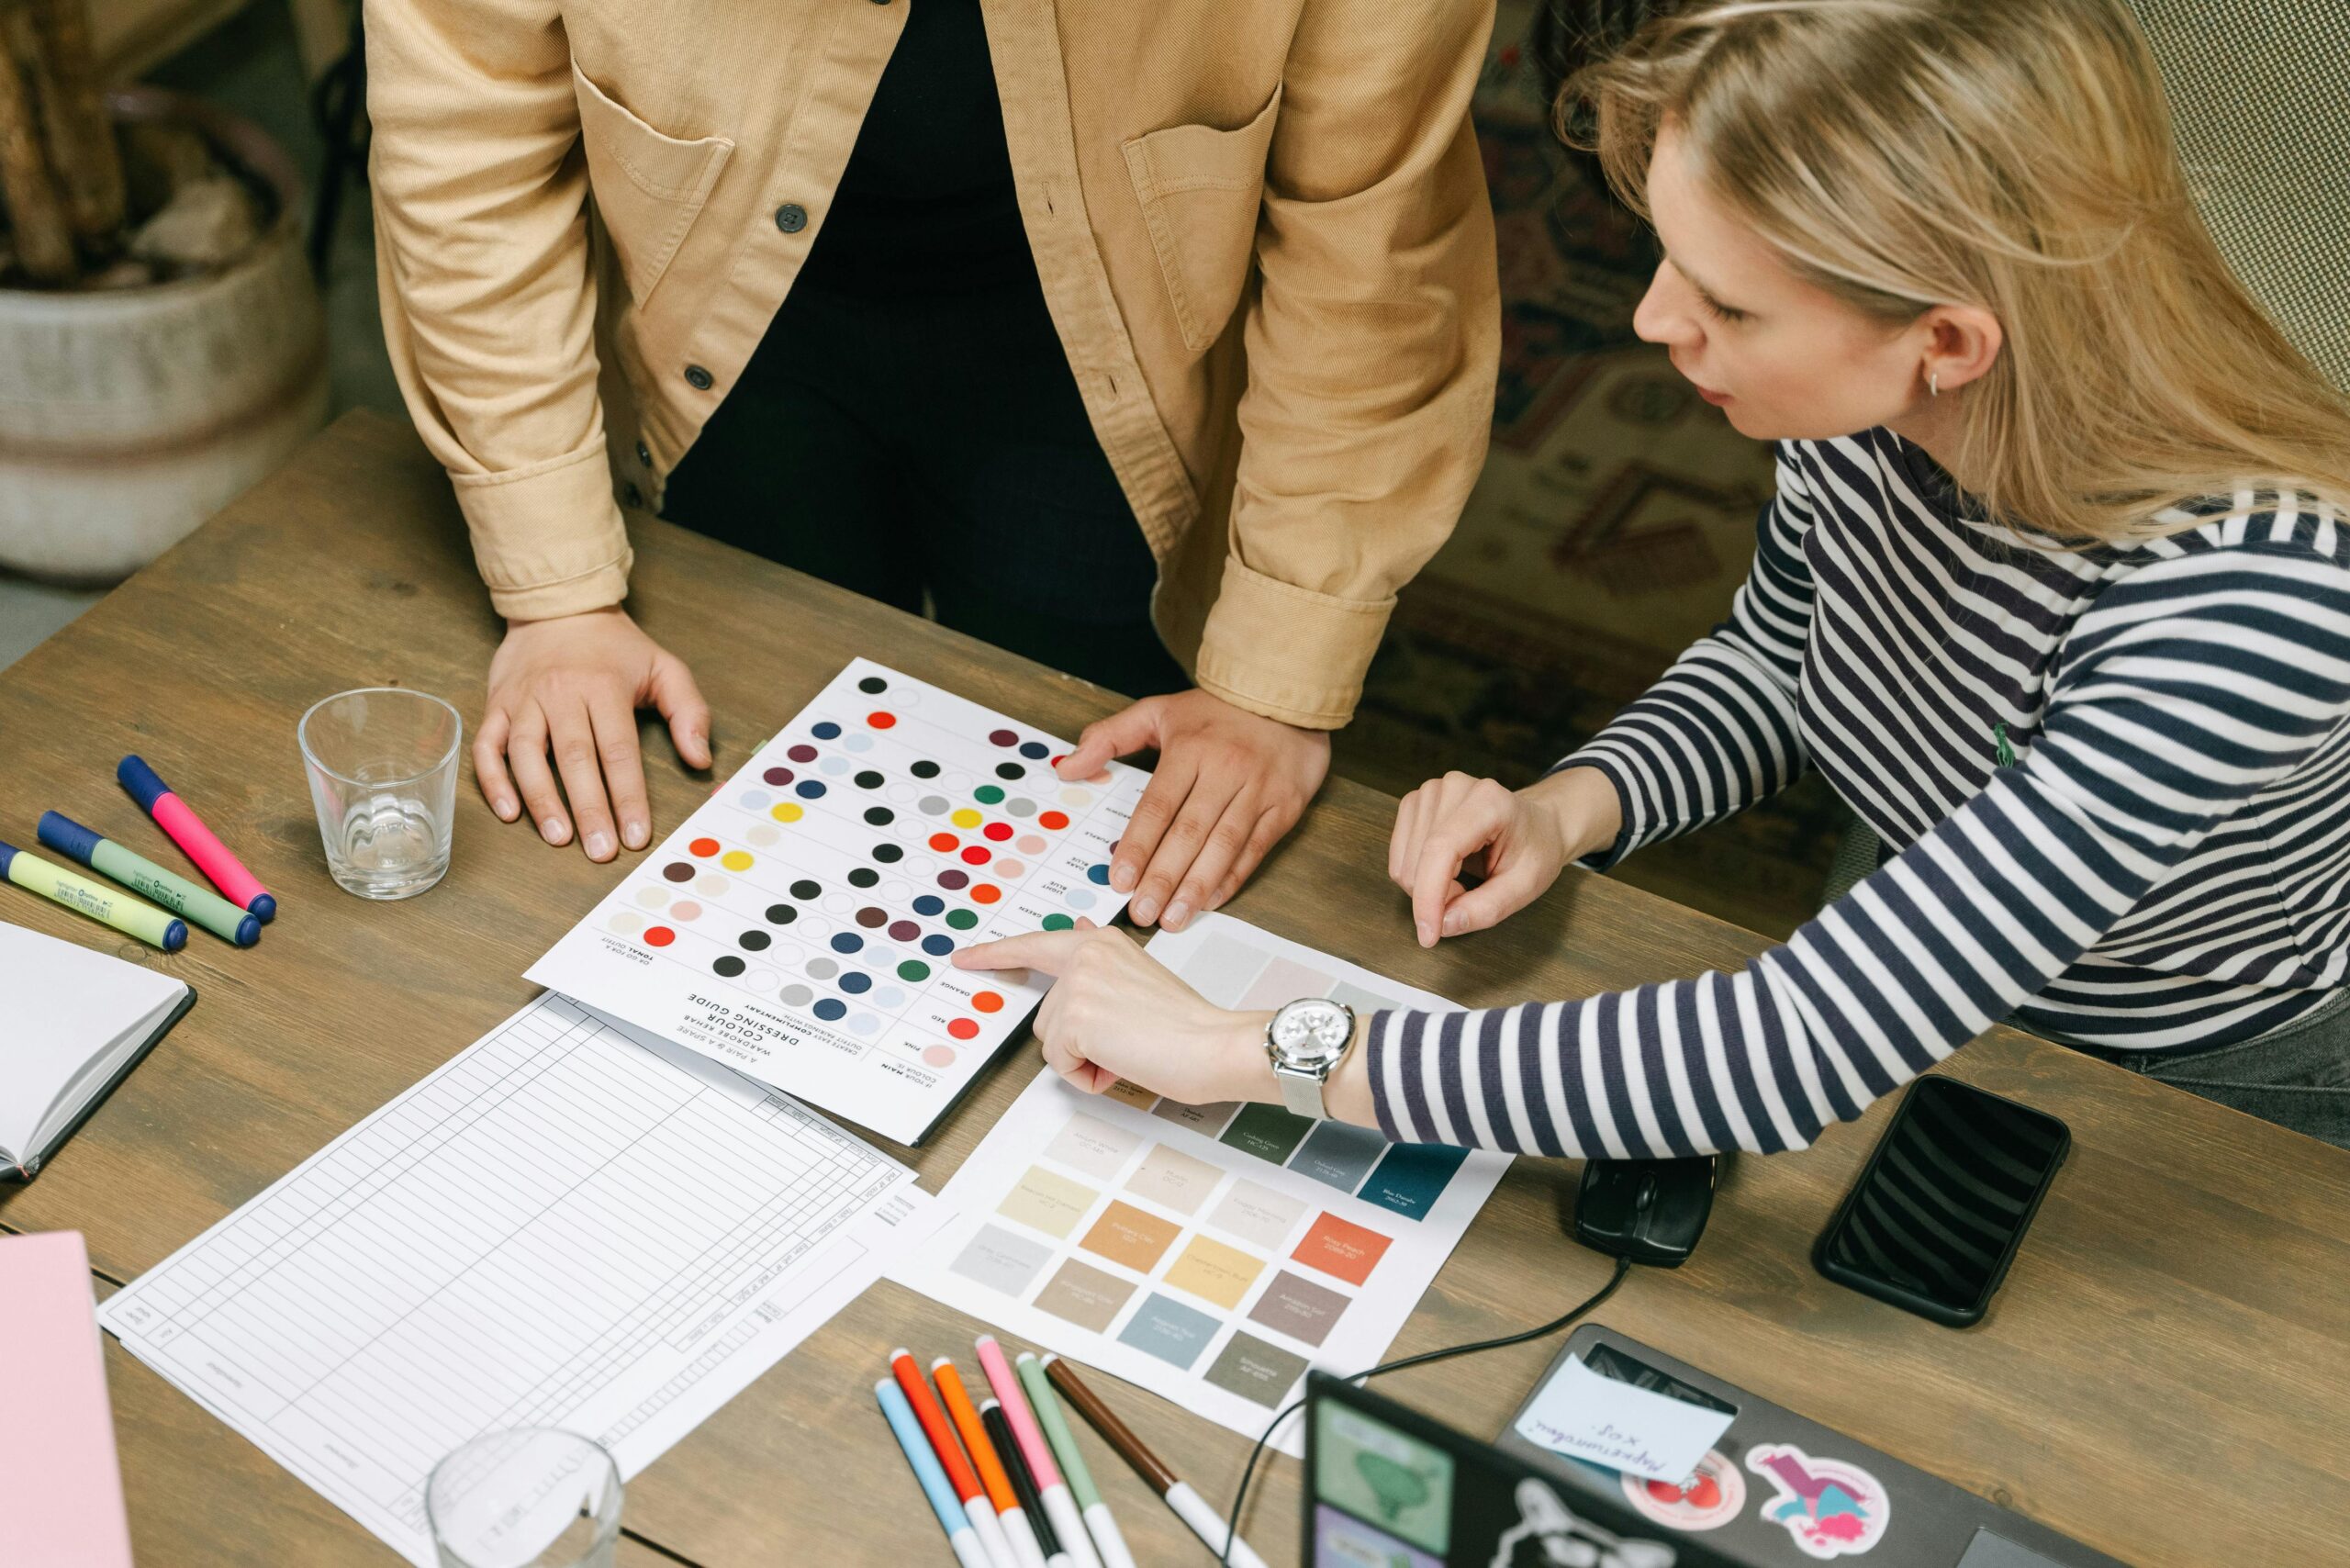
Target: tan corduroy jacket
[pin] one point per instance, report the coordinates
(1262, 227)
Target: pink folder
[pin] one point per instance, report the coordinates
(60, 1491)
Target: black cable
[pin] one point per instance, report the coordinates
(1232, 1521)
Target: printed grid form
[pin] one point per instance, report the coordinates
(496, 1247)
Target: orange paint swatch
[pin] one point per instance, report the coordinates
(1340, 1249)
(1126, 1234)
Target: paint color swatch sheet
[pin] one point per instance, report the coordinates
(1207, 1252)
(567, 1224)
(798, 926)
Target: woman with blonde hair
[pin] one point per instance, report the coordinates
(2054, 590)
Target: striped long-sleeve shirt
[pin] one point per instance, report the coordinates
(2165, 865)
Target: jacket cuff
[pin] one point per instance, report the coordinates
(548, 539)
(1287, 652)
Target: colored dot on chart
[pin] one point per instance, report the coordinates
(781, 914)
(804, 889)
(864, 877)
(914, 969)
(867, 780)
(903, 931)
(651, 898)
(936, 946)
(1021, 806)
(685, 909)
(1053, 821)
(873, 685)
(856, 982)
(705, 848)
(962, 920)
(929, 903)
(1035, 751)
(986, 892)
(943, 842)
(1030, 845)
(963, 1029)
(872, 919)
(777, 775)
(1003, 737)
(988, 1001)
(830, 1009)
(730, 965)
(659, 935)
(788, 812)
(826, 731)
(810, 788)
(801, 753)
(1098, 875)
(939, 1056)
(997, 831)
(1058, 922)
(823, 968)
(881, 721)
(1009, 870)
(925, 768)
(954, 881)
(794, 995)
(880, 816)
(753, 941)
(679, 872)
(848, 941)
(1009, 770)
(1079, 898)
(978, 855)
(736, 860)
(987, 794)
(887, 853)
(965, 818)
(930, 805)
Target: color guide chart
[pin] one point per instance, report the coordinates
(1207, 1252)
(798, 926)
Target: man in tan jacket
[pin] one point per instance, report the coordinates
(1219, 272)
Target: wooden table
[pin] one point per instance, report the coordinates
(2165, 1375)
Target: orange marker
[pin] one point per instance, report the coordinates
(977, 1502)
(1025, 1546)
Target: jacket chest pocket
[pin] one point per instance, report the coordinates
(649, 186)
(1200, 190)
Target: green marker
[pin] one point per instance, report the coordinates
(1063, 1442)
(83, 896)
(140, 875)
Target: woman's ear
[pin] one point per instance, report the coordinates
(1962, 342)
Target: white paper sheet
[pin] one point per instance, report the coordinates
(1209, 1253)
(796, 927)
(1584, 1415)
(567, 1224)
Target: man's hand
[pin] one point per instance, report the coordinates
(1228, 784)
(571, 687)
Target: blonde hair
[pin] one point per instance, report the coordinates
(2014, 155)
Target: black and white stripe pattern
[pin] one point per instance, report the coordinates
(2168, 865)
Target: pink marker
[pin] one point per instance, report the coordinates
(175, 817)
(1060, 1506)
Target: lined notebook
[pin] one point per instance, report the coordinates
(80, 1021)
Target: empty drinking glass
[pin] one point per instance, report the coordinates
(532, 1498)
(382, 768)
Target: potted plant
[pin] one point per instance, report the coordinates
(161, 345)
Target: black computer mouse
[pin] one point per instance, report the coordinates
(1651, 1211)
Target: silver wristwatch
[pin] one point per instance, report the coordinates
(1305, 1042)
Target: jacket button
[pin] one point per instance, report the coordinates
(631, 495)
(643, 454)
(791, 217)
(698, 378)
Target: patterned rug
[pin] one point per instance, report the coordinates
(1614, 520)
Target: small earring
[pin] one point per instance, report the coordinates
(1933, 383)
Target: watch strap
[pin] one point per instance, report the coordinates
(1302, 1093)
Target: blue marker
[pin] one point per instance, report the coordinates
(952, 1515)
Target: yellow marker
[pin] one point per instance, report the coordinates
(98, 901)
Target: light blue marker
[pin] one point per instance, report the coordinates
(952, 1516)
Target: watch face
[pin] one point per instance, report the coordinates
(1313, 1031)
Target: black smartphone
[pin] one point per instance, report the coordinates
(1936, 1217)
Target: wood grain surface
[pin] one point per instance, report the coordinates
(2164, 1374)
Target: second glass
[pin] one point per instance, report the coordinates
(382, 768)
